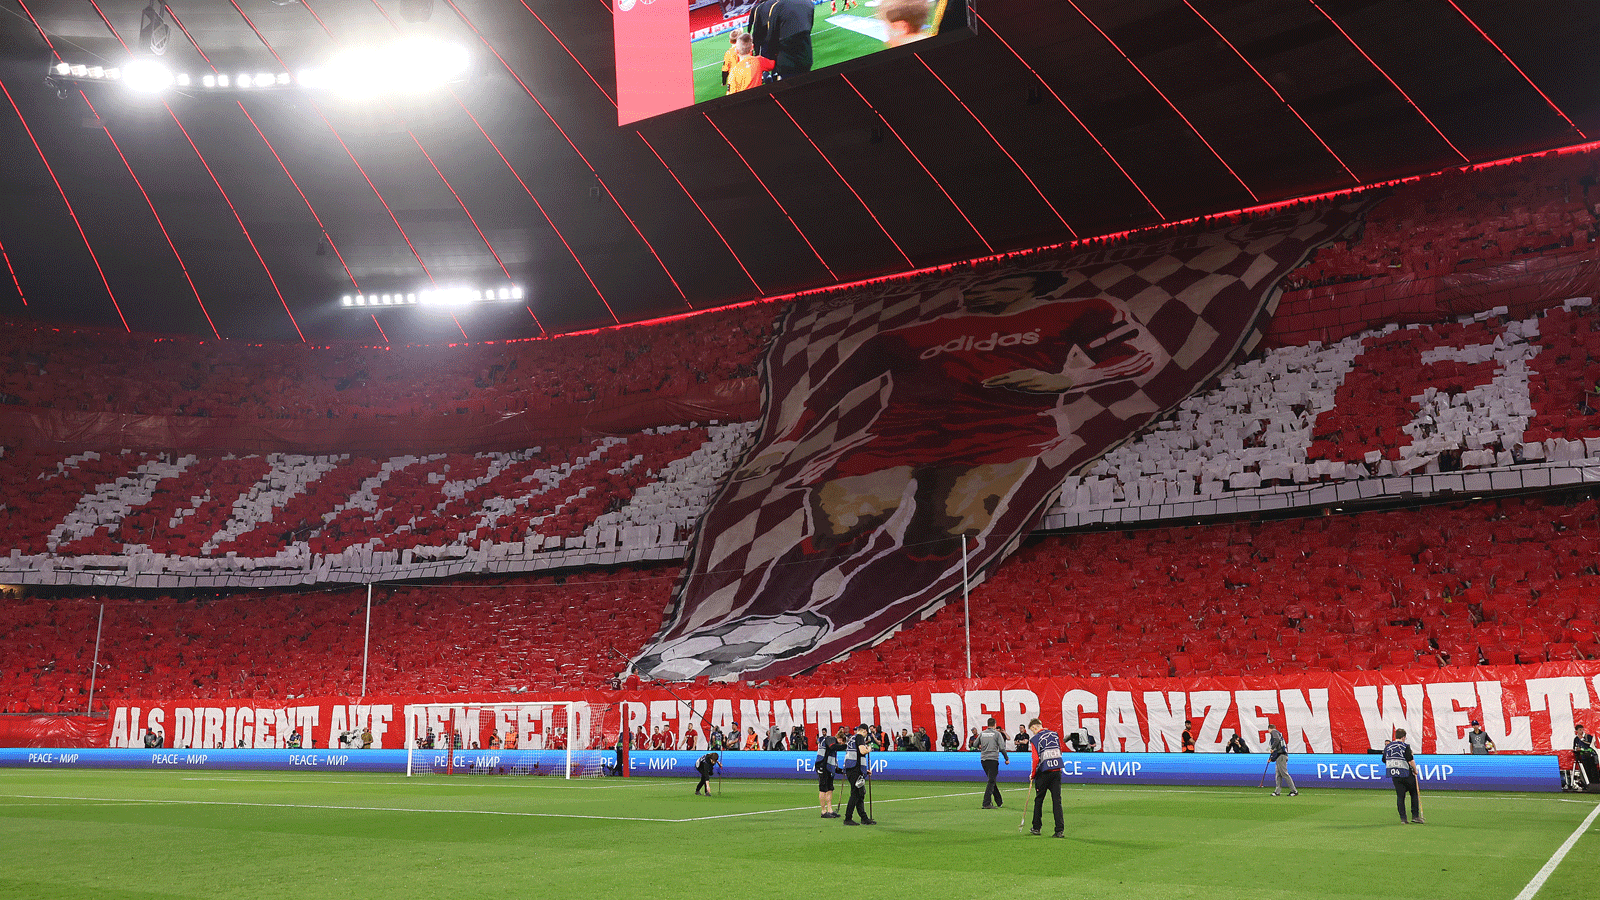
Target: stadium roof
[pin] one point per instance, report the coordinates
(1058, 118)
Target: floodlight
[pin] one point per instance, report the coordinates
(113, 74)
(222, 81)
(265, 79)
(243, 80)
(183, 79)
(80, 71)
(347, 301)
(147, 75)
(209, 81)
(283, 77)
(62, 68)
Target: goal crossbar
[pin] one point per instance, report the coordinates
(553, 738)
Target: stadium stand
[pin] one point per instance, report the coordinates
(546, 633)
(1508, 581)
(1504, 387)
(184, 376)
(1490, 582)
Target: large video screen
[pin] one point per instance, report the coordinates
(676, 53)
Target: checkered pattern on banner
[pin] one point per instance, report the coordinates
(763, 595)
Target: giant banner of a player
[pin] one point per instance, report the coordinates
(908, 440)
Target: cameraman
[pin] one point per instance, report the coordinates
(948, 740)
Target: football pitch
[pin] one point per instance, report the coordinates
(108, 835)
(830, 43)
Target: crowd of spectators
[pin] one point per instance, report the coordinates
(1466, 218)
(113, 372)
(1502, 582)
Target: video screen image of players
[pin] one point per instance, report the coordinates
(737, 45)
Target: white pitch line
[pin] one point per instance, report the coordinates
(468, 812)
(464, 812)
(418, 782)
(1556, 858)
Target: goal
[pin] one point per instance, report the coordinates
(561, 739)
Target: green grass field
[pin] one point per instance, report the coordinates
(110, 835)
(830, 44)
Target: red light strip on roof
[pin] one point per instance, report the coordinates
(335, 132)
(460, 202)
(1166, 99)
(703, 213)
(225, 199)
(885, 121)
(271, 149)
(192, 42)
(1287, 105)
(1010, 255)
(1392, 83)
(70, 210)
(237, 218)
(425, 155)
(1103, 148)
(658, 156)
(592, 170)
(845, 181)
(997, 143)
(525, 189)
(182, 266)
(1507, 58)
(781, 207)
(607, 94)
(13, 273)
(380, 328)
(159, 224)
(325, 235)
(375, 192)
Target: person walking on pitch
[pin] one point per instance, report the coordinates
(1403, 772)
(1046, 776)
(827, 750)
(704, 766)
(854, 760)
(992, 746)
(1280, 755)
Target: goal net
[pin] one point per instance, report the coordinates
(561, 739)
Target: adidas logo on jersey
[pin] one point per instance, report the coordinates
(982, 345)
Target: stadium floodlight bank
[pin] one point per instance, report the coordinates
(563, 739)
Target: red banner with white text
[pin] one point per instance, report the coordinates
(1525, 709)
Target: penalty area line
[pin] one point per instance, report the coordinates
(1556, 858)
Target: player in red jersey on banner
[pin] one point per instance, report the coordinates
(972, 400)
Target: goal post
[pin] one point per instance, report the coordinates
(566, 739)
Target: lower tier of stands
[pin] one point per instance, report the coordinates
(1496, 582)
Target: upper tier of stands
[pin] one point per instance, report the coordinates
(103, 371)
(1493, 582)
(1459, 220)
(1427, 227)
